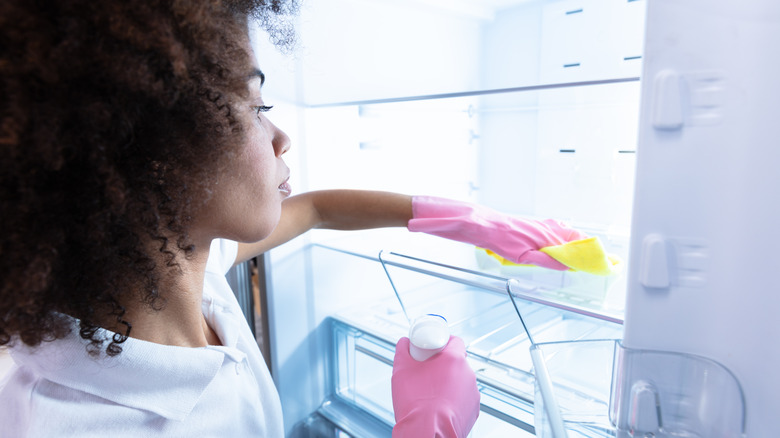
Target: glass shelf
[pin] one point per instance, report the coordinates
(421, 271)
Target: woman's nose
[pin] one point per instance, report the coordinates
(281, 142)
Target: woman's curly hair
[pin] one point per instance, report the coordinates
(114, 117)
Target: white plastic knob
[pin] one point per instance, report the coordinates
(428, 335)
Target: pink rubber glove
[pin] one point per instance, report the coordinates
(437, 397)
(517, 240)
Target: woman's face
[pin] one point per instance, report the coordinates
(246, 199)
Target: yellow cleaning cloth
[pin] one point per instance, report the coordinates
(586, 255)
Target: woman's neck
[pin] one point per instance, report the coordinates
(180, 320)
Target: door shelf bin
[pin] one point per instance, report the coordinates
(626, 392)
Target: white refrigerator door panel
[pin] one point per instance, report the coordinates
(703, 277)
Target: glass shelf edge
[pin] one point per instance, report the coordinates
(474, 93)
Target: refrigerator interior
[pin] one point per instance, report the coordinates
(528, 107)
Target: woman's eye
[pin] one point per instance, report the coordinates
(261, 109)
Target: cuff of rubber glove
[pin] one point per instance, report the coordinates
(431, 420)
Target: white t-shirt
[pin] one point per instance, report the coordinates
(149, 390)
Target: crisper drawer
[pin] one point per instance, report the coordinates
(362, 368)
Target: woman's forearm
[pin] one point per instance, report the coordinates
(336, 210)
(361, 209)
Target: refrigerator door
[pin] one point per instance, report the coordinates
(703, 238)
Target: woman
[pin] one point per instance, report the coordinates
(138, 165)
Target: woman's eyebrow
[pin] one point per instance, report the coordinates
(258, 73)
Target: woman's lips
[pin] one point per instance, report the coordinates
(285, 188)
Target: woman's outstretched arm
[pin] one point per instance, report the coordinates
(333, 209)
